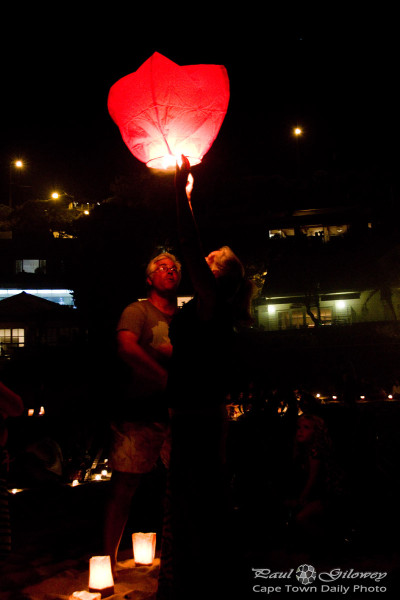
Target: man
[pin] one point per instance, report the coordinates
(141, 430)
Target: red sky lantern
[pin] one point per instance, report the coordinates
(164, 110)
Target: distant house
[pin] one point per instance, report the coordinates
(311, 282)
(305, 292)
(37, 266)
(28, 321)
(327, 224)
(331, 308)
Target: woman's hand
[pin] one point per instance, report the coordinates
(203, 280)
(183, 177)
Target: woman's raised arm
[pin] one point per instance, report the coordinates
(199, 272)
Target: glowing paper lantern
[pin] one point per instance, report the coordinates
(144, 547)
(164, 110)
(100, 576)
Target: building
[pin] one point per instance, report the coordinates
(30, 322)
(37, 266)
(36, 301)
(329, 267)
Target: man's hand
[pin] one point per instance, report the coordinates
(142, 364)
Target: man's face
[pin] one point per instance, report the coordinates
(165, 276)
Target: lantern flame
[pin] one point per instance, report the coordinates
(169, 161)
(189, 186)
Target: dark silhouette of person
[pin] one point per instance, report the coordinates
(202, 335)
(317, 485)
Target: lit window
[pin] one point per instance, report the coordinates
(284, 319)
(11, 338)
(297, 318)
(309, 321)
(30, 265)
(326, 315)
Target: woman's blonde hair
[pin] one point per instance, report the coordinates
(239, 289)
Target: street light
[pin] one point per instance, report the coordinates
(297, 132)
(15, 164)
(65, 198)
(55, 195)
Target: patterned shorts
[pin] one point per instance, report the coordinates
(136, 447)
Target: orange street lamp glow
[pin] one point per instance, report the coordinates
(55, 195)
(297, 131)
(15, 164)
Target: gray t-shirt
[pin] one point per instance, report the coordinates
(144, 399)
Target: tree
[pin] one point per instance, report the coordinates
(44, 217)
(5, 218)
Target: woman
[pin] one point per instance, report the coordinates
(317, 494)
(204, 329)
(203, 337)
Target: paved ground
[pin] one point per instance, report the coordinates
(57, 530)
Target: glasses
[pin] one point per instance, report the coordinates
(165, 269)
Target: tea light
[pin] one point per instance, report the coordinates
(144, 547)
(100, 576)
(84, 595)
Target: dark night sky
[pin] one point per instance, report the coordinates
(334, 75)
